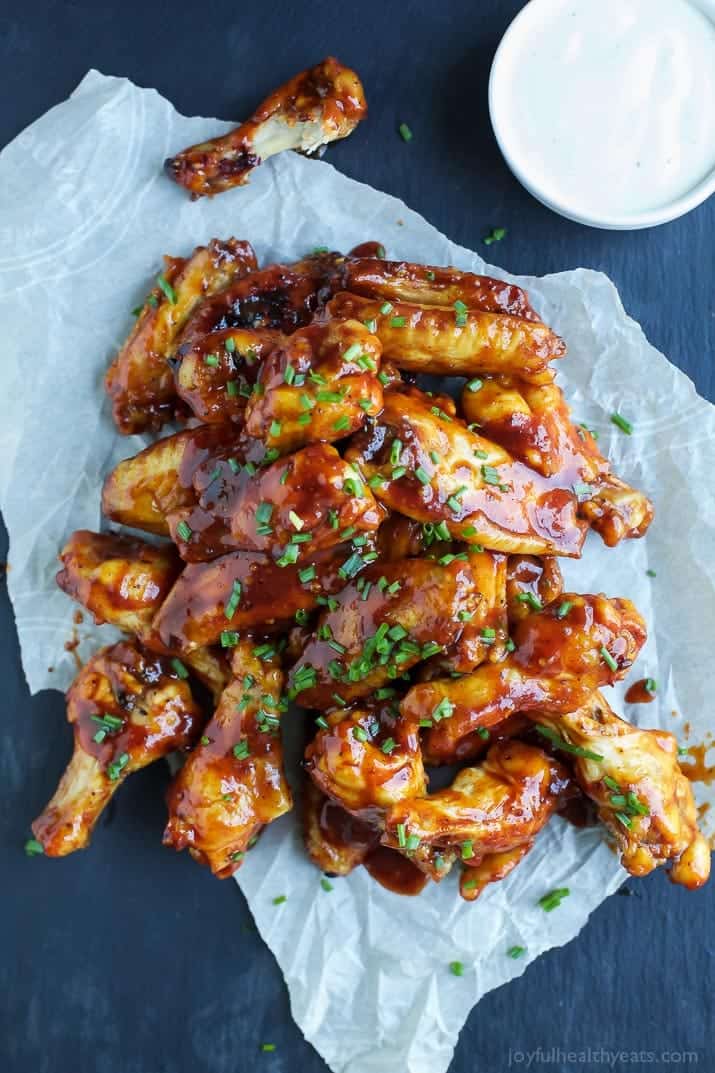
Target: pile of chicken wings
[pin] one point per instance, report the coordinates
(342, 547)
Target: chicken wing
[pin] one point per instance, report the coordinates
(242, 591)
(141, 491)
(233, 783)
(290, 510)
(379, 626)
(454, 342)
(335, 841)
(366, 759)
(561, 655)
(128, 708)
(216, 374)
(317, 106)
(428, 465)
(642, 795)
(321, 385)
(400, 281)
(139, 381)
(118, 579)
(534, 424)
(496, 807)
(531, 583)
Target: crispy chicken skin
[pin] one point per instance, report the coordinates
(139, 381)
(320, 385)
(244, 590)
(118, 579)
(495, 807)
(434, 469)
(391, 617)
(400, 281)
(277, 298)
(641, 793)
(216, 374)
(317, 106)
(449, 342)
(128, 708)
(290, 509)
(233, 782)
(141, 491)
(335, 841)
(561, 655)
(534, 424)
(366, 759)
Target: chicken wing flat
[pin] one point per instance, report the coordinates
(561, 655)
(216, 374)
(335, 841)
(290, 510)
(427, 465)
(143, 490)
(321, 385)
(531, 583)
(400, 281)
(233, 782)
(140, 381)
(128, 708)
(317, 106)
(454, 342)
(533, 423)
(117, 578)
(495, 807)
(245, 591)
(381, 624)
(279, 297)
(367, 759)
(642, 795)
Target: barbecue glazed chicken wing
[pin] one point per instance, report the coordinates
(498, 806)
(317, 106)
(367, 758)
(531, 583)
(320, 385)
(454, 342)
(379, 626)
(534, 424)
(233, 782)
(430, 285)
(426, 464)
(128, 709)
(139, 381)
(216, 373)
(561, 655)
(635, 780)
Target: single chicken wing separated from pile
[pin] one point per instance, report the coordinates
(330, 542)
(318, 106)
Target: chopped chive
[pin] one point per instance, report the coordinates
(371, 325)
(651, 685)
(230, 345)
(442, 710)
(383, 378)
(565, 746)
(554, 898)
(412, 843)
(483, 733)
(608, 658)
(241, 750)
(184, 530)
(321, 722)
(234, 600)
(229, 638)
(33, 848)
(306, 575)
(342, 424)
(515, 951)
(326, 884)
(623, 424)
(401, 835)
(467, 850)
(532, 600)
(233, 388)
(490, 475)
(456, 968)
(115, 768)
(205, 740)
(288, 374)
(398, 322)
(352, 352)
(166, 287)
(211, 359)
(651, 573)
(277, 901)
(563, 609)
(495, 235)
(405, 132)
(269, 1046)
(422, 476)
(179, 668)
(388, 746)
(274, 429)
(474, 385)
(234, 465)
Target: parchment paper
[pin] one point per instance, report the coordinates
(86, 214)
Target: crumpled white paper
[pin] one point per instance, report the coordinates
(85, 216)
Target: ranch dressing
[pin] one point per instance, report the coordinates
(606, 108)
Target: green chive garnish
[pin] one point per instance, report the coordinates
(623, 424)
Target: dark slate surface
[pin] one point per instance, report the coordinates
(131, 959)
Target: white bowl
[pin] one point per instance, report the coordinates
(596, 207)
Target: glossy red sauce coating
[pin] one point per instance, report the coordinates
(395, 872)
(639, 693)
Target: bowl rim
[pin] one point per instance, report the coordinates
(671, 210)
